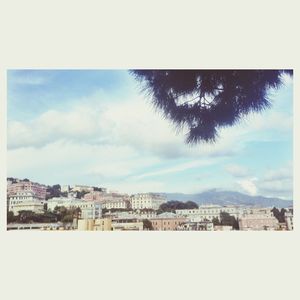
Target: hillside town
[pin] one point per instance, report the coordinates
(34, 206)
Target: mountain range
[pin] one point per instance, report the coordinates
(228, 198)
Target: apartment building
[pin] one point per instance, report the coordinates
(127, 224)
(209, 212)
(167, 222)
(82, 188)
(196, 226)
(25, 200)
(118, 203)
(89, 210)
(148, 200)
(258, 222)
(39, 190)
(289, 219)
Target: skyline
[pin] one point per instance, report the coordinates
(85, 123)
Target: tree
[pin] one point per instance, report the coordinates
(61, 212)
(26, 216)
(216, 221)
(147, 224)
(81, 194)
(203, 101)
(227, 219)
(53, 191)
(172, 205)
(10, 217)
(279, 214)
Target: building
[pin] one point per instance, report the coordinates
(288, 216)
(89, 210)
(223, 228)
(196, 226)
(210, 212)
(82, 188)
(39, 190)
(116, 204)
(94, 196)
(92, 210)
(149, 200)
(167, 222)
(60, 201)
(65, 189)
(34, 206)
(25, 200)
(103, 224)
(258, 222)
(127, 224)
(85, 224)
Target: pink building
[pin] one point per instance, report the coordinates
(105, 197)
(94, 196)
(258, 222)
(39, 190)
(167, 224)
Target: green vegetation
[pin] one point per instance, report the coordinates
(206, 100)
(279, 214)
(60, 214)
(172, 205)
(147, 225)
(227, 220)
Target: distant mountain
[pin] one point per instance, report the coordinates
(228, 198)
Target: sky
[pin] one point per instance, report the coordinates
(96, 127)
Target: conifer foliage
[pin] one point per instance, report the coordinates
(203, 101)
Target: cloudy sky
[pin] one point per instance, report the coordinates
(97, 128)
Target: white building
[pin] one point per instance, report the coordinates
(149, 200)
(25, 200)
(258, 222)
(82, 188)
(89, 209)
(288, 215)
(65, 189)
(209, 212)
(60, 201)
(117, 203)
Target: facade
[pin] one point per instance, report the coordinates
(65, 189)
(82, 188)
(196, 226)
(94, 196)
(149, 200)
(167, 222)
(116, 204)
(103, 224)
(34, 206)
(127, 224)
(25, 200)
(258, 222)
(39, 190)
(222, 228)
(89, 210)
(94, 225)
(84, 224)
(209, 212)
(289, 219)
(60, 201)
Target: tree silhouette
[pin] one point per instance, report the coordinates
(206, 100)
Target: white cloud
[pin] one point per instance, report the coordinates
(177, 168)
(237, 170)
(123, 144)
(132, 122)
(248, 186)
(278, 182)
